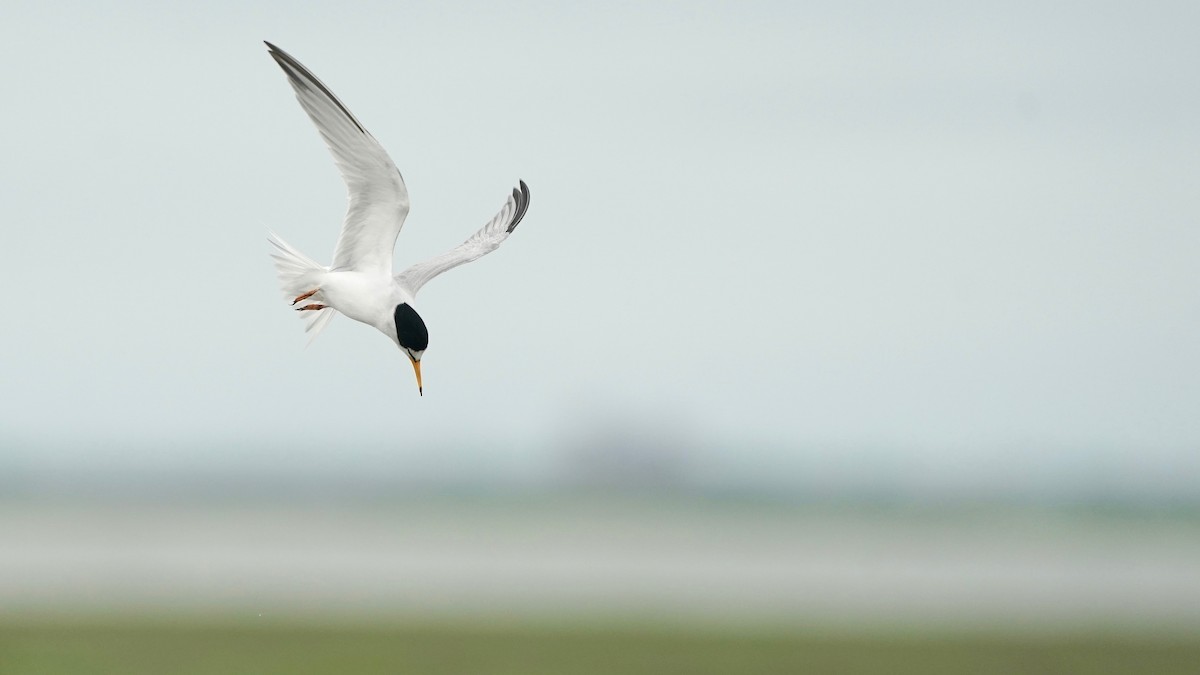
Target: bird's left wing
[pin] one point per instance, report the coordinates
(487, 239)
(378, 197)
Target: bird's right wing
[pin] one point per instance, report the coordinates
(378, 197)
(487, 239)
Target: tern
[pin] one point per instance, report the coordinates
(360, 282)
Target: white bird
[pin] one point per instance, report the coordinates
(360, 283)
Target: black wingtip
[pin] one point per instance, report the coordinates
(303, 77)
(521, 195)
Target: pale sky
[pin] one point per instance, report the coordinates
(931, 234)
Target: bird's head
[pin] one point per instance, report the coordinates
(412, 337)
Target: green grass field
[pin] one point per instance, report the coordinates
(129, 647)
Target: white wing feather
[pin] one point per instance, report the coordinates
(378, 197)
(487, 239)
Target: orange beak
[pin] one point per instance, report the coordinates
(417, 368)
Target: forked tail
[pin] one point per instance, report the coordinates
(299, 274)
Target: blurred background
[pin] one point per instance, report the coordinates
(843, 337)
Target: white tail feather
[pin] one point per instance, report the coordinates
(317, 322)
(299, 274)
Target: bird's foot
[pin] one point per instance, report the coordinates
(305, 296)
(310, 307)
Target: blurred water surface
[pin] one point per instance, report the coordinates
(585, 557)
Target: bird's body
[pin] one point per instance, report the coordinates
(360, 283)
(363, 296)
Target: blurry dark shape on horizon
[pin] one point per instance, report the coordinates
(599, 447)
(623, 450)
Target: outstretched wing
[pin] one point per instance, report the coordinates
(487, 239)
(378, 198)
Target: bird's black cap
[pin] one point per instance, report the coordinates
(410, 329)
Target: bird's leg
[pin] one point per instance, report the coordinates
(305, 296)
(309, 307)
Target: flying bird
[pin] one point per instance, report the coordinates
(360, 282)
